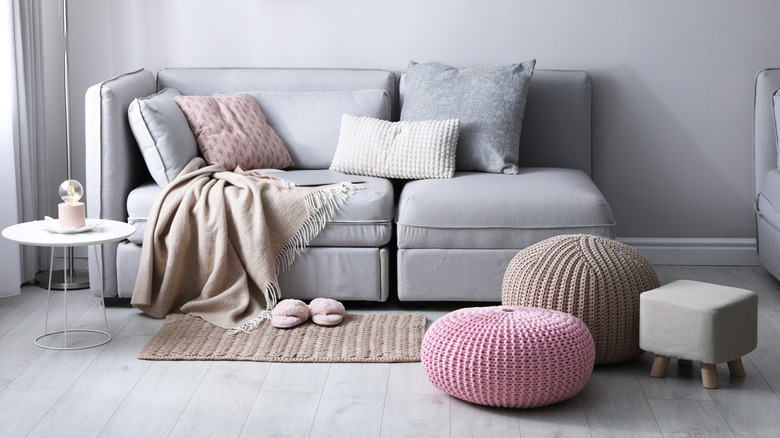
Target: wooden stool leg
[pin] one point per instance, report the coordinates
(684, 363)
(736, 368)
(709, 376)
(659, 366)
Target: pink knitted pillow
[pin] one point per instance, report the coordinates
(232, 131)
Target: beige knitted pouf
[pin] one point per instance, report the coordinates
(593, 278)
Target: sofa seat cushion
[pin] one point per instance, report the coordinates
(477, 210)
(365, 220)
(139, 204)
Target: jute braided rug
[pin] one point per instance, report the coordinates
(359, 338)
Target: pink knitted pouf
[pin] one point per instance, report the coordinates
(518, 357)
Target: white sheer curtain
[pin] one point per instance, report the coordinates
(10, 268)
(29, 78)
(21, 90)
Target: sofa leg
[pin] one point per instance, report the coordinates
(684, 363)
(736, 368)
(659, 366)
(709, 376)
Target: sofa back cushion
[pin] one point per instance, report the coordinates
(308, 122)
(334, 92)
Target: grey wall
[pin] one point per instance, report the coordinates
(673, 80)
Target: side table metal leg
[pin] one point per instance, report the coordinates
(48, 294)
(105, 334)
(100, 282)
(65, 292)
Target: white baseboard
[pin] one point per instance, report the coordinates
(695, 251)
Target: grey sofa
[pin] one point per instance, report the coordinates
(431, 240)
(766, 173)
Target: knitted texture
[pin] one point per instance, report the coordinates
(517, 357)
(596, 279)
(232, 131)
(361, 338)
(408, 150)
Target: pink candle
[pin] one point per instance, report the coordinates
(72, 214)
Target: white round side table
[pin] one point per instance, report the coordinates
(32, 233)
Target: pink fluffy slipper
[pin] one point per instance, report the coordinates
(326, 311)
(289, 313)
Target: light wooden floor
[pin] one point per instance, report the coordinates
(107, 392)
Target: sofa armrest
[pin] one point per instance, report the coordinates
(114, 165)
(764, 141)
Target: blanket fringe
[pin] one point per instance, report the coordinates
(271, 294)
(321, 206)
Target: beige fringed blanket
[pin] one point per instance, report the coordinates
(216, 240)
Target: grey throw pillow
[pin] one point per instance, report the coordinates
(163, 135)
(488, 101)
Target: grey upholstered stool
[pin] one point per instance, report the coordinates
(698, 321)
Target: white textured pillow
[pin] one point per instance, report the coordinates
(406, 150)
